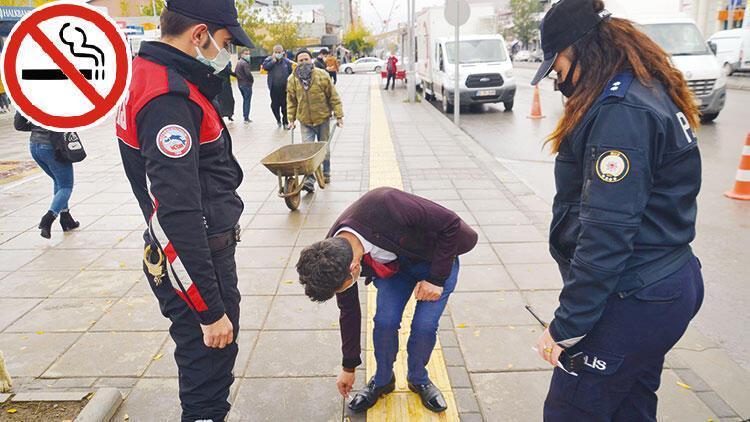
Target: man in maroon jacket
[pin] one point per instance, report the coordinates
(406, 244)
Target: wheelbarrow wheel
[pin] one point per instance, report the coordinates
(291, 185)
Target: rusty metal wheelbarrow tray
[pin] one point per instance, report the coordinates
(296, 159)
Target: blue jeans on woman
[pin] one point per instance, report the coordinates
(393, 294)
(61, 174)
(247, 96)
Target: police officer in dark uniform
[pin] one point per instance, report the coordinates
(628, 171)
(177, 154)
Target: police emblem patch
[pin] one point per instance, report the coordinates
(174, 141)
(612, 166)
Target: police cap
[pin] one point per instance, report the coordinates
(222, 13)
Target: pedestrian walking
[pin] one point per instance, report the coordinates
(628, 171)
(332, 67)
(391, 71)
(279, 68)
(320, 61)
(312, 98)
(4, 101)
(42, 144)
(407, 245)
(225, 99)
(245, 80)
(177, 155)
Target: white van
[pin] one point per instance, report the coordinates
(732, 49)
(682, 39)
(485, 68)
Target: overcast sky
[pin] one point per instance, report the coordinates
(371, 8)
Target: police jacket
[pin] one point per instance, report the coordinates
(624, 213)
(177, 155)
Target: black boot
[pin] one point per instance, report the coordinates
(46, 224)
(67, 222)
(367, 398)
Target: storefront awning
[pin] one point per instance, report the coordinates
(9, 16)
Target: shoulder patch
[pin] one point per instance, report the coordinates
(612, 166)
(619, 85)
(174, 141)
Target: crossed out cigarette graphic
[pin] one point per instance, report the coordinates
(96, 54)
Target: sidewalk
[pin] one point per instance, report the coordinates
(78, 314)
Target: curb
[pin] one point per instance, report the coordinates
(102, 406)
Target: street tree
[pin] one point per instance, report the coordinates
(358, 39)
(250, 18)
(525, 19)
(148, 9)
(282, 28)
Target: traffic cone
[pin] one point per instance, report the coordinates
(742, 181)
(536, 106)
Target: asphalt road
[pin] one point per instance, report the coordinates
(723, 233)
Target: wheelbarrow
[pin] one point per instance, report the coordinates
(293, 163)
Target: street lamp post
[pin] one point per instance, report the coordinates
(411, 85)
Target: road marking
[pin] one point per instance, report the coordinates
(402, 404)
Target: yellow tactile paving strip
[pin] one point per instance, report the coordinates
(402, 404)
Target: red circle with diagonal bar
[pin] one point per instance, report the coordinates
(29, 27)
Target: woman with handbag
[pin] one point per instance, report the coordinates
(45, 149)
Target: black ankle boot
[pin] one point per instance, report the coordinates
(46, 224)
(67, 222)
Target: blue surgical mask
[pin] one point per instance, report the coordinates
(219, 62)
(279, 55)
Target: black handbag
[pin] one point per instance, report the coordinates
(69, 148)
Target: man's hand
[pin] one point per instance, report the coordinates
(292, 125)
(427, 291)
(340, 122)
(345, 382)
(547, 348)
(219, 334)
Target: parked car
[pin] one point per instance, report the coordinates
(537, 56)
(365, 64)
(732, 49)
(522, 56)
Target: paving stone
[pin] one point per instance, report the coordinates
(501, 218)
(277, 221)
(484, 194)
(523, 253)
(478, 205)
(116, 382)
(470, 417)
(321, 221)
(154, 399)
(31, 240)
(116, 222)
(536, 276)
(438, 194)
(96, 240)
(266, 257)
(253, 311)
(114, 354)
(274, 399)
(498, 349)
(54, 396)
(679, 404)
(133, 314)
(29, 355)
(300, 313)
(4, 397)
(264, 238)
(512, 396)
(482, 254)
(465, 400)
(71, 383)
(289, 285)
(692, 379)
(544, 303)
(321, 355)
(310, 236)
(483, 278)
(453, 357)
(119, 259)
(62, 315)
(11, 260)
(512, 234)
(458, 377)
(717, 405)
(448, 338)
(488, 309)
(14, 309)
(22, 284)
(91, 283)
(255, 281)
(73, 259)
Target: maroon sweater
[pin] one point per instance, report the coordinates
(408, 226)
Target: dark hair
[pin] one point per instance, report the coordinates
(323, 267)
(174, 24)
(324, 51)
(614, 46)
(303, 51)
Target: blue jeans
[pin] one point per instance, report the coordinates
(393, 294)
(319, 133)
(247, 95)
(61, 174)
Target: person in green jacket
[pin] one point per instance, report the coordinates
(312, 98)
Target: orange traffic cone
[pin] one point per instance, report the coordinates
(742, 183)
(536, 106)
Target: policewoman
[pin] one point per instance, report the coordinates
(177, 155)
(627, 172)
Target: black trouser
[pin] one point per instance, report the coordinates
(334, 77)
(205, 374)
(391, 77)
(278, 104)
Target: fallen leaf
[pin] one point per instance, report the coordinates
(122, 265)
(511, 327)
(685, 386)
(476, 333)
(510, 366)
(126, 417)
(158, 356)
(288, 281)
(461, 325)
(11, 410)
(40, 332)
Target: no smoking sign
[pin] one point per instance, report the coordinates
(66, 66)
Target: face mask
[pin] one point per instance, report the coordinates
(219, 62)
(566, 87)
(279, 55)
(246, 57)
